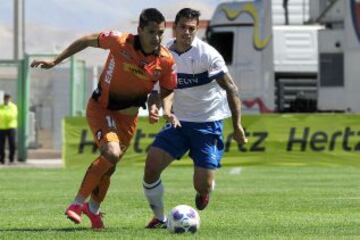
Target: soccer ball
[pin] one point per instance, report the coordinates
(183, 218)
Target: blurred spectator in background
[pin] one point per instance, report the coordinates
(8, 125)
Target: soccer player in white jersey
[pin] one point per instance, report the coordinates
(205, 92)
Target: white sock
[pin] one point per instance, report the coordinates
(154, 193)
(94, 207)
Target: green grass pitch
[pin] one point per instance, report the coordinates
(254, 203)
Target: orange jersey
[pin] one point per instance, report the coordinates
(129, 75)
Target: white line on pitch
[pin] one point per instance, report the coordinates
(235, 171)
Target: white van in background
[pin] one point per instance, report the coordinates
(273, 65)
(242, 33)
(296, 64)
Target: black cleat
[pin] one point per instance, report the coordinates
(156, 224)
(201, 201)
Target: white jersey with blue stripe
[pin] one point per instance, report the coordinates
(198, 97)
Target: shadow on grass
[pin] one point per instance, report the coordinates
(44, 229)
(63, 230)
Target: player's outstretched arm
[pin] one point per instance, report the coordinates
(77, 46)
(233, 97)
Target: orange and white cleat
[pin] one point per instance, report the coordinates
(73, 212)
(95, 219)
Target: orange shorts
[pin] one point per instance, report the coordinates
(110, 126)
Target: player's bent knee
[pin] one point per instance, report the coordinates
(111, 156)
(111, 152)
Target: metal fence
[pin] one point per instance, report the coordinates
(44, 98)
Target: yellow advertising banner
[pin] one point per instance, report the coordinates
(274, 139)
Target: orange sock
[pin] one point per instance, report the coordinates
(100, 191)
(93, 175)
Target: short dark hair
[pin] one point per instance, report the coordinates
(187, 13)
(6, 95)
(150, 15)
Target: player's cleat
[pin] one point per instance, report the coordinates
(73, 212)
(156, 224)
(201, 201)
(95, 219)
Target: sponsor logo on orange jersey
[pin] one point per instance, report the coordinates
(137, 71)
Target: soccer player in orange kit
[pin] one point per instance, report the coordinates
(135, 63)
